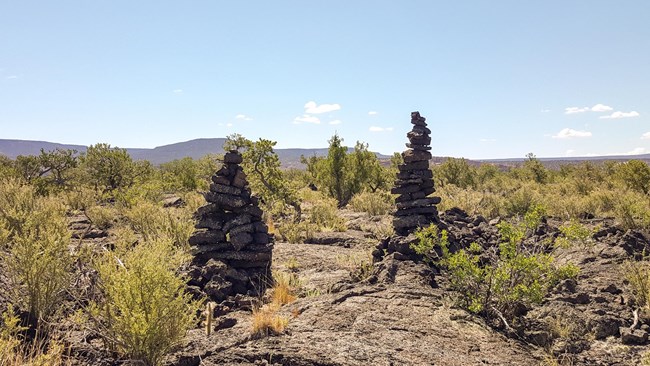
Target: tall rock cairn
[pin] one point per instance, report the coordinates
(415, 182)
(231, 245)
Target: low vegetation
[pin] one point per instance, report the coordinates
(144, 310)
(497, 281)
(129, 285)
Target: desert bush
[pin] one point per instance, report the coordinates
(153, 221)
(379, 229)
(151, 190)
(193, 200)
(108, 168)
(79, 198)
(7, 168)
(453, 196)
(517, 274)
(16, 351)
(38, 261)
(635, 174)
(17, 201)
(49, 171)
(457, 172)
(574, 233)
(180, 175)
(325, 215)
(535, 170)
(375, 203)
(632, 210)
(637, 274)
(144, 311)
(297, 232)
(342, 175)
(520, 201)
(102, 217)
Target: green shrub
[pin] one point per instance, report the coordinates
(632, 211)
(635, 174)
(101, 216)
(144, 311)
(149, 191)
(17, 202)
(14, 351)
(457, 172)
(152, 221)
(429, 238)
(297, 232)
(637, 274)
(520, 201)
(325, 215)
(575, 233)
(38, 261)
(518, 273)
(80, 198)
(373, 203)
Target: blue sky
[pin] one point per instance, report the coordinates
(495, 79)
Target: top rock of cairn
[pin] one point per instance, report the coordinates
(414, 182)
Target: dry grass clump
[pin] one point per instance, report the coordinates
(284, 288)
(267, 321)
(266, 318)
(359, 265)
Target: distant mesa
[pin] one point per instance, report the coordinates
(198, 148)
(195, 149)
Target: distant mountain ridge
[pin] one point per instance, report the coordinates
(194, 149)
(290, 158)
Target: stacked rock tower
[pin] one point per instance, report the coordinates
(232, 247)
(415, 182)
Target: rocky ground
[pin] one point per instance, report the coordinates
(400, 312)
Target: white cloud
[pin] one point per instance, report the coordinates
(645, 136)
(569, 152)
(568, 133)
(373, 113)
(243, 117)
(178, 91)
(306, 119)
(228, 124)
(619, 114)
(573, 110)
(379, 129)
(597, 108)
(12, 77)
(601, 108)
(312, 108)
(335, 122)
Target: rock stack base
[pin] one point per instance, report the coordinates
(414, 182)
(231, 245)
